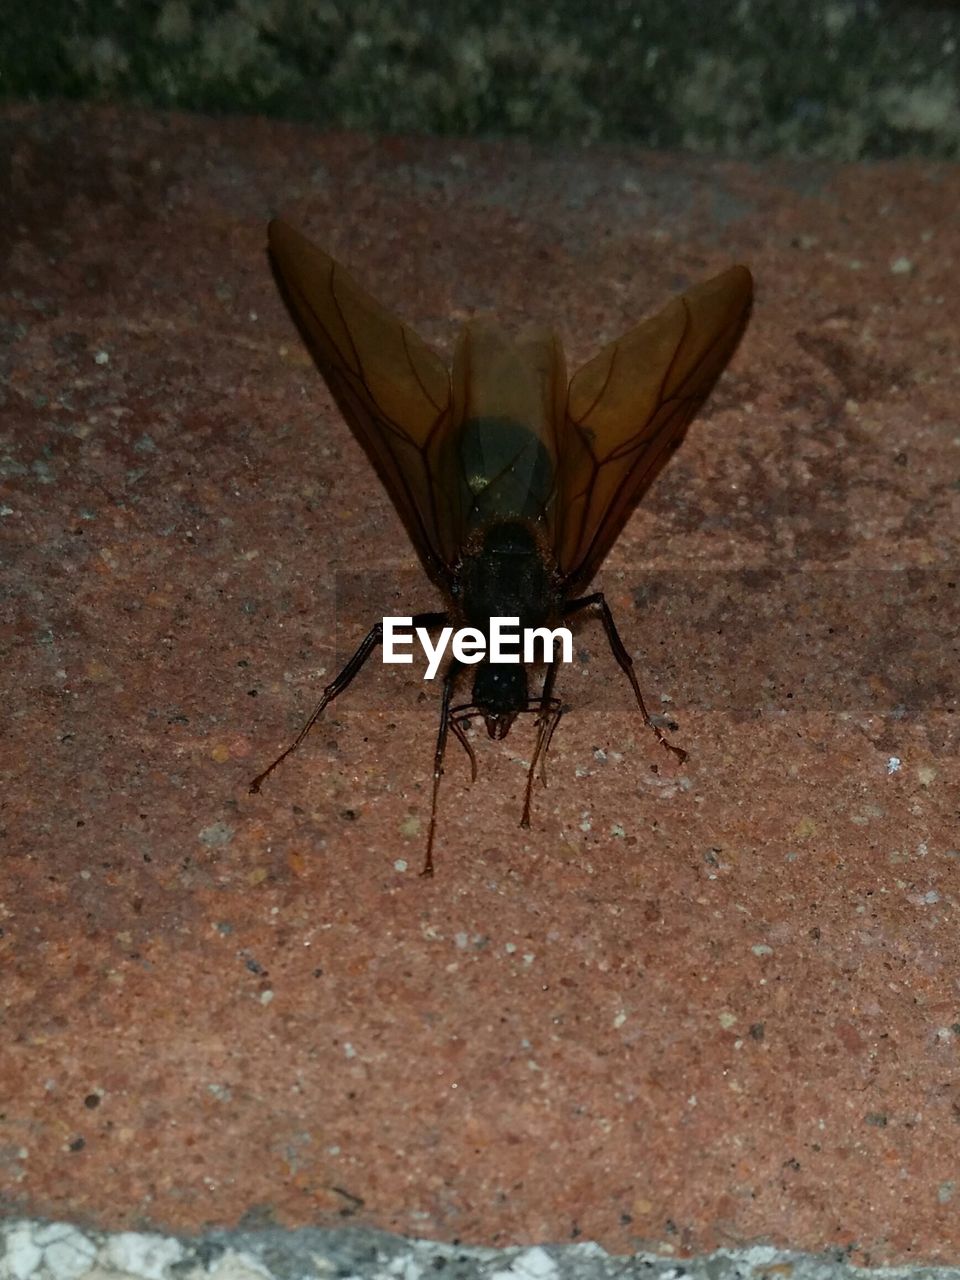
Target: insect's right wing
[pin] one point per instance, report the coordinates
(392, 389)
(628, 409)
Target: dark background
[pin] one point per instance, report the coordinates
(833, 79)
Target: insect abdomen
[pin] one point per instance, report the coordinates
(509, 575)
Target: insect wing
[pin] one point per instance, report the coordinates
(508, 395)
(391, 388)
(628, 409)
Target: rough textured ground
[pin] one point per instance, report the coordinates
(691, 1006)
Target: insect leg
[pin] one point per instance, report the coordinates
(551, 709)
(336, 686)
(448, 682)
(622, 657)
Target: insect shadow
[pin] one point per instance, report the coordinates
(512, 482)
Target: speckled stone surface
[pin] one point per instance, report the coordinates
(60, 1251)
(691, 1006)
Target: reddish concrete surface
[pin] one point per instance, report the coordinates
(691, 1006)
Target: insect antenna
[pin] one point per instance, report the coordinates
(458, 723)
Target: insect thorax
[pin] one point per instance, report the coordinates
(506, 572)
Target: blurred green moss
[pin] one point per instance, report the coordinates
(842, 80)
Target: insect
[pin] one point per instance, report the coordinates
(512, 482)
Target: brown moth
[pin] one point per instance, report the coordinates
(513, 482)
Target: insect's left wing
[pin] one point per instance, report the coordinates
(628, 409)
(392, 389)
